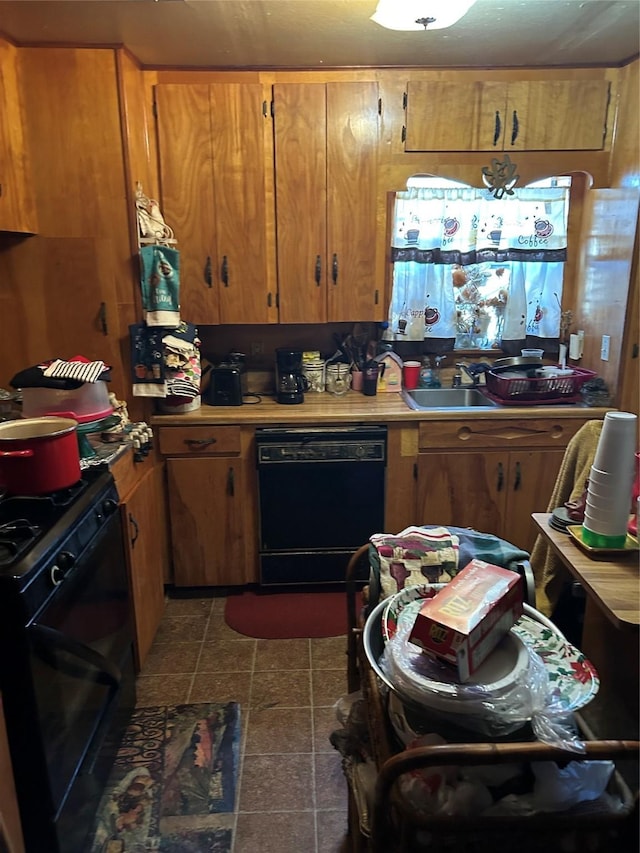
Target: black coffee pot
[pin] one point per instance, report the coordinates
(290, 381)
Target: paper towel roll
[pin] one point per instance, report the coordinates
(574, 347)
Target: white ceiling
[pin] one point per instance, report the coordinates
(332, 33)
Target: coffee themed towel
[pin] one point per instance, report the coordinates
(160, 284)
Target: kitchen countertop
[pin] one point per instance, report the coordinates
(354, 407)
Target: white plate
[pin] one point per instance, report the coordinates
(438, 681)
(573, 678)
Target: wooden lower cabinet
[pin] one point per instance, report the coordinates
(490, 475)
(147, 548)
(212, 504)
(493, 492)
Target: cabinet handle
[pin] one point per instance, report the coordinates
(318, 272)
(334, 269)
(102, 315)
(0, 190)
(136, 530)
(403, 135)
(231, 490)
(207, 272)
(224, 271)
(515, 127)
(500, 476)
(497, 129)
(518, 478)
(199, 443)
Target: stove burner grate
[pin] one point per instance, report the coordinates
(15, 537)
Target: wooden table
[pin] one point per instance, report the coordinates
(610, 636)
(613, 585)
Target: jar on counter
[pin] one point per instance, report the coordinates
(338, 379)
(315, 372)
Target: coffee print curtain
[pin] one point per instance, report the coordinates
(477, 271)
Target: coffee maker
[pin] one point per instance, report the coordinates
(290, 381)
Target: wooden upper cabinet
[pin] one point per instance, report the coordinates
(216, 174)
(525, 115)
(17, 199)
(326, 143)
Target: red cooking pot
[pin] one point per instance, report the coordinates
(38, 455)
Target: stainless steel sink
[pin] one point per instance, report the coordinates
(447, 398)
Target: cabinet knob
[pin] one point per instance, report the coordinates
(515, 127)
(136, 530)
(318, 270)
(199, 443)
(334, 268)
(518, 477)
(497, 129)
(224, 271)
(500, 477)
(208, 280)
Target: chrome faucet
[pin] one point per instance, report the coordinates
(456, 382)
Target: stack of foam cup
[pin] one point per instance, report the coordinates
(611, 482)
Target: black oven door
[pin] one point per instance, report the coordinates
(80, 645)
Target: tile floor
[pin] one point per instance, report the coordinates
(292, 796)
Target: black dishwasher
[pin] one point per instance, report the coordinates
(321, 497)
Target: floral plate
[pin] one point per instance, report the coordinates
(573, 679)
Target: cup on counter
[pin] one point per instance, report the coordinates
(356, 379)
(371, 374)
(411, 374)
(532, 353)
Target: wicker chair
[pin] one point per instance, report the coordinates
(395, 828)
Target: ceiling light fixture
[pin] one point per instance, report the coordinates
(420, 14)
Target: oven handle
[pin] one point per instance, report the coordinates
(109, 674)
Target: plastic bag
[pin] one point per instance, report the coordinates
(495, 710)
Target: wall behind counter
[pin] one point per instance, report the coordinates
(219, 341)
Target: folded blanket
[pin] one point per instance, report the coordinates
(414, 556)
(466, 544)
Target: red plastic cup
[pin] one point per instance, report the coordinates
(410, 374)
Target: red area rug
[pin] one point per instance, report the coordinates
(287, 615)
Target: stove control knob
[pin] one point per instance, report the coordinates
(64, 562)
(109, 506)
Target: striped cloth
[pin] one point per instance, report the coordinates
(83, 371)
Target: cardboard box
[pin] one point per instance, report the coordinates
(468, 617)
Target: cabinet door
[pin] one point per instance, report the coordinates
(243, 176)
(147, 545)
(300, 130)
(455, 116)
(526, 115)
(352, 165)
(205, 506)
(326, 138)
(556, 115)
(530, 482)
(462, 489)
(17, 201)
(186, 179)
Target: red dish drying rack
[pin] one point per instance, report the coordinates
(517, 391)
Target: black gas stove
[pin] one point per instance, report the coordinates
(42, 537)
(66, 653)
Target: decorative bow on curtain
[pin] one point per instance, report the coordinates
(459, 252)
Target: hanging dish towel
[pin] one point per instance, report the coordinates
(147, 362)
(182, 361)
(160, 284)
